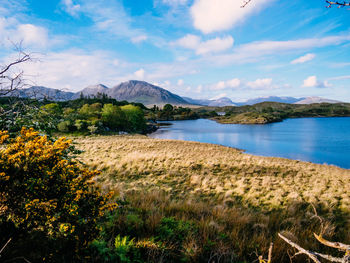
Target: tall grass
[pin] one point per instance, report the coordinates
(236, 201)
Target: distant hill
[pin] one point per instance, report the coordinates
(222, 102)
(40, 92)
(149, 95)
(146, 93)
(310, 100)
(289, 100)
(91, 91)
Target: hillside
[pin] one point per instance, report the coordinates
(145, 93)
(40, 92)
(91, 91)
(221, 102)
(311, 100)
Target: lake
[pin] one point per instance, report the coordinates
(318, 140)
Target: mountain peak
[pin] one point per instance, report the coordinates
(144, 92)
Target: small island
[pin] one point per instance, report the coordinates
(269, 112)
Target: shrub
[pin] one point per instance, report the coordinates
(64, 126)
(46, 193)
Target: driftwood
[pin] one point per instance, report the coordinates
(315, 255)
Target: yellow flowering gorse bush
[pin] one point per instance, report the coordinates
(42, 189)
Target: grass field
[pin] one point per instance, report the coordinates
(237, 201)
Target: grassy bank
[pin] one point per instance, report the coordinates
(204, 201)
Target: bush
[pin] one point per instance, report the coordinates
(46, 195)
(64, 126)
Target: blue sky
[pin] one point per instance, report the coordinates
(195, 48)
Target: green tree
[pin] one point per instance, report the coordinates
(135, 117)
(168, 108)
(113, 117)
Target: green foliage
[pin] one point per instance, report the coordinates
(46, 193)
(267, 112)
(174, 231)
(123, 246)
(135, 117)
(113, 117)
(64, 126)
(168, 108)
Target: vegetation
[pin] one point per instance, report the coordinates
(194, 202)
(172, 113)
(49, 205)
(267, 112)
(83, 116)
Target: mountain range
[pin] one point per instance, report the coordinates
(149, 95)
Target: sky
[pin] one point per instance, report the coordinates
(195, 48)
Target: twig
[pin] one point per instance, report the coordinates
(5, 245)
(301, 250)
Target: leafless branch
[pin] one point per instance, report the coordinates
(11, 81)
(301, 250)
(2, 249)
(339, 4)
(246, 2)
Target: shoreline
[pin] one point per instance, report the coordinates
(247, 151)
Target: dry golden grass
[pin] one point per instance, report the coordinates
(238, 202)
(187, 169)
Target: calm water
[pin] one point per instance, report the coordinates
(318, 140)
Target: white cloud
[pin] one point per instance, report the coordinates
(228, 84)
(139, 39)
(340, 77)
(29, 35)
(180, 82)
(140, 74)
(261, 84)
(253, 51)
(213, 15)
(74, 69)
(70, 7)
(189, 41)
(214, 45)
(313, 82)
(303, 59)
(175, 2)
(32, 35)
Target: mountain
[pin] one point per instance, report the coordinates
(91, 91)
(221, 102)
(290, 100)
(40, 92)
(310, 100)
(201, 102)
(146, 93)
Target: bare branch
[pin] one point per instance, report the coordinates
(337, 3)
(301, 250)
(2, 249)
(246, 2)
(337, 245)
